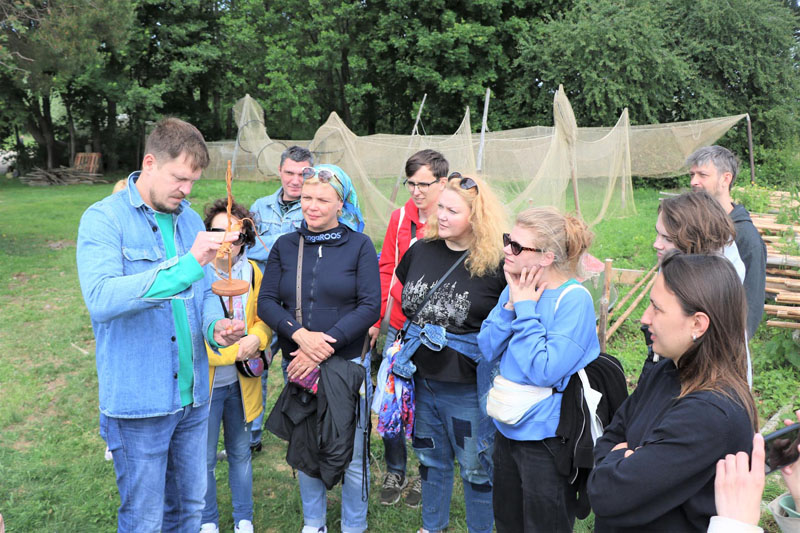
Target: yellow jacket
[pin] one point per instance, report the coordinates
(250, 387)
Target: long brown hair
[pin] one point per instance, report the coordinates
(717, 360)
(696, 223)
(487, 219)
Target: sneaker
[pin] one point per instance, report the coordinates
(244, 526)
(414, 494)
(255, 448)
(108, 455)
(392, 489)
(222, 455)
(314, 529)
(209, 527)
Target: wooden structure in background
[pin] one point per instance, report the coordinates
(85, 170)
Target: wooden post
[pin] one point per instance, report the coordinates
(483, 129)
(411, 140)
(636, 287)
(750, 148)
(604, 302)
(630, 309)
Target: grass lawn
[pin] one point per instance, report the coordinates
(52, 473)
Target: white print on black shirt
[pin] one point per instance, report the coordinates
(446, 307)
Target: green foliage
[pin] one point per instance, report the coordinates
(755, 198)
(778, 167)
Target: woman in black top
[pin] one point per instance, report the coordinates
(449, 423)
(340, 300)
(656, 461)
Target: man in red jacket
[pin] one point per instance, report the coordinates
(426, 175)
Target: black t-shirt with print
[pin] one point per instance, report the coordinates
(460, 305)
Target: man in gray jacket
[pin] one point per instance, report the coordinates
(714, 169)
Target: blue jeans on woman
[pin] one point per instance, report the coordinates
(227, 408)
(446, 429)
(394, 448)
(354, 496)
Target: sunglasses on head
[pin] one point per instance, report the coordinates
(464, 182)
(517, 248)
(324, 175)
(237, 242)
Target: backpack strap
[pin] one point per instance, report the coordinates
(571, 287)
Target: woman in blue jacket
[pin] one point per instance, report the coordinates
(543, 331)
(656, 461)
(340, 300)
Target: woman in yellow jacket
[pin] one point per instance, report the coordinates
(235, 397)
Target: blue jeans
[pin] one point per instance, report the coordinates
(394, 448)
(354, 507)
(226, 408)
(445, 429)
(159, 466)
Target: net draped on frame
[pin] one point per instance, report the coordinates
(532, 166)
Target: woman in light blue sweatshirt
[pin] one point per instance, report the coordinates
(543, 331)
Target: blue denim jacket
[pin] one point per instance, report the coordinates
(436, 338)
(120, 251)
(271, 225)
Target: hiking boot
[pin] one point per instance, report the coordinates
(392, 489)
(414, 494)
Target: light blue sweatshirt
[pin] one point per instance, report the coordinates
(537, 348)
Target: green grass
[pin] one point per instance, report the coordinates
(52, 473)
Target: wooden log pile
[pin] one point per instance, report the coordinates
(783, 281)
(60, 176)
(85, 170)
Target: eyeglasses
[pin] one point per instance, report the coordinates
(237, 242)
(464, 182)
(324, 175)
(517, 248)
(421, 185)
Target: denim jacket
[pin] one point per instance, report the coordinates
(272, 224)
(436, 338)
(120, 252)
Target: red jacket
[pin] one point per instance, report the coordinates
(395, 244)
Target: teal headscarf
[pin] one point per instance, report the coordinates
(351, 213)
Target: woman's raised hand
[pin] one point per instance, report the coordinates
(527, 286)
(315, 344)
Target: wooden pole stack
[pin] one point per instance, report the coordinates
(640, 290)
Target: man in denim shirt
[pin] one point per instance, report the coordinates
(277, 214)
(141, 262)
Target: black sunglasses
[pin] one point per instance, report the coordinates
(464, 182)
(237, 242)
(324, 175)
(517, 248)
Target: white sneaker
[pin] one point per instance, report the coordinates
(108, 454)
(209, 527)
(244, 526)
(314, 529)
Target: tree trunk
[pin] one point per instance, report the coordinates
(216, 124)
(71, 127)
(111, 157)
(46, 127)
(344, 81)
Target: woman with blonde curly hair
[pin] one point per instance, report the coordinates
(451, 280)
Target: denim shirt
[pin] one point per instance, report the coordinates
(120, 251)
(436, 338)
(272, 224)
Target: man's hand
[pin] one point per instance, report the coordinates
(527, 286)
(738, 485)
(373, 336)
(227, 332)
(315, 344)
(206, 244)
(248, 347)
(301, 365)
